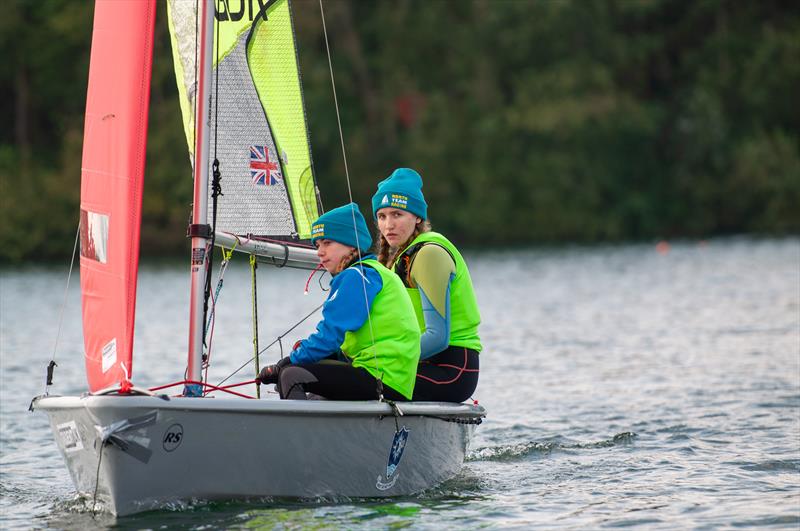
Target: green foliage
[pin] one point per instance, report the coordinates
(530, 121)
(43, 87)
(168, 179)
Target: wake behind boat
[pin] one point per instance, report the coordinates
(129, 449)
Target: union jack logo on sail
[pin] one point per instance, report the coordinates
(263, 172)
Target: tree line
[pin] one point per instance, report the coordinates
(530, 121)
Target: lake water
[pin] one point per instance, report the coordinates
(624, 388)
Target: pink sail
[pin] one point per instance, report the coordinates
(112, 177)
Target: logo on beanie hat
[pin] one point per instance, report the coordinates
(318, 230)
(385, 200)
(400, 201)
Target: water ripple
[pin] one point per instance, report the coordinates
(784, 465)
(522, 450)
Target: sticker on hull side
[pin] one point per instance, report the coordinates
(395, 454)
(70, 438)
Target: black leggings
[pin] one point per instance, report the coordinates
(334, 380)
(449, 376)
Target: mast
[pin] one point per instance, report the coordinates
(200, 231)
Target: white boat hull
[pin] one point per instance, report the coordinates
(219, 448)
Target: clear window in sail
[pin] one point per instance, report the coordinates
(94, 236)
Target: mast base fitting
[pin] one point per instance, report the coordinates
(198, 231)
(193, 390)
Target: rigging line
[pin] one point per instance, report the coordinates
(254, 291)
(212, 310)
(277, 340)
(223, 267)
(63, 306)
(97, 478)
(216, 187)
(207, 361)
(335, 100)
(349, 189)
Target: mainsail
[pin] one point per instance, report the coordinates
(112, 171)
(258, 131)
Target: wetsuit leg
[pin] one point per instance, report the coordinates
(292, 381)
(332, 380)
(449, 376)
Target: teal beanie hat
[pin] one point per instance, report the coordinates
(337, 225)
(402, 190)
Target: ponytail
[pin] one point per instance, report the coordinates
(346, 262)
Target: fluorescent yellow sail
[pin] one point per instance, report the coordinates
(278, 84)
(258, 127)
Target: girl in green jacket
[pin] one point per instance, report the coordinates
(367, 316)
(438, 282)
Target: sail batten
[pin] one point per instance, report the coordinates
(112, 176)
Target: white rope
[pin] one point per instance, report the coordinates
(64, 301)
(220, 279)
(349, 190)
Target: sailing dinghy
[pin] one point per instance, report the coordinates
(131, 450)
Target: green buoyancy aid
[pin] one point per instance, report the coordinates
(464, 315)
(392, 326)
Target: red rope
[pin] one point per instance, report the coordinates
(305, 290)
(213, 388)
(248, 382)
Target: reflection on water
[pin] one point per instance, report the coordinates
(624, 388)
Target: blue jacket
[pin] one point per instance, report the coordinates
(344, 310)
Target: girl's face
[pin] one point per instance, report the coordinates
(332, 253)
(396, 225)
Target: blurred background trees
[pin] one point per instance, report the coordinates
(530, 121)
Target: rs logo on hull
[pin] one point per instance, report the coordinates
(172, 437)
